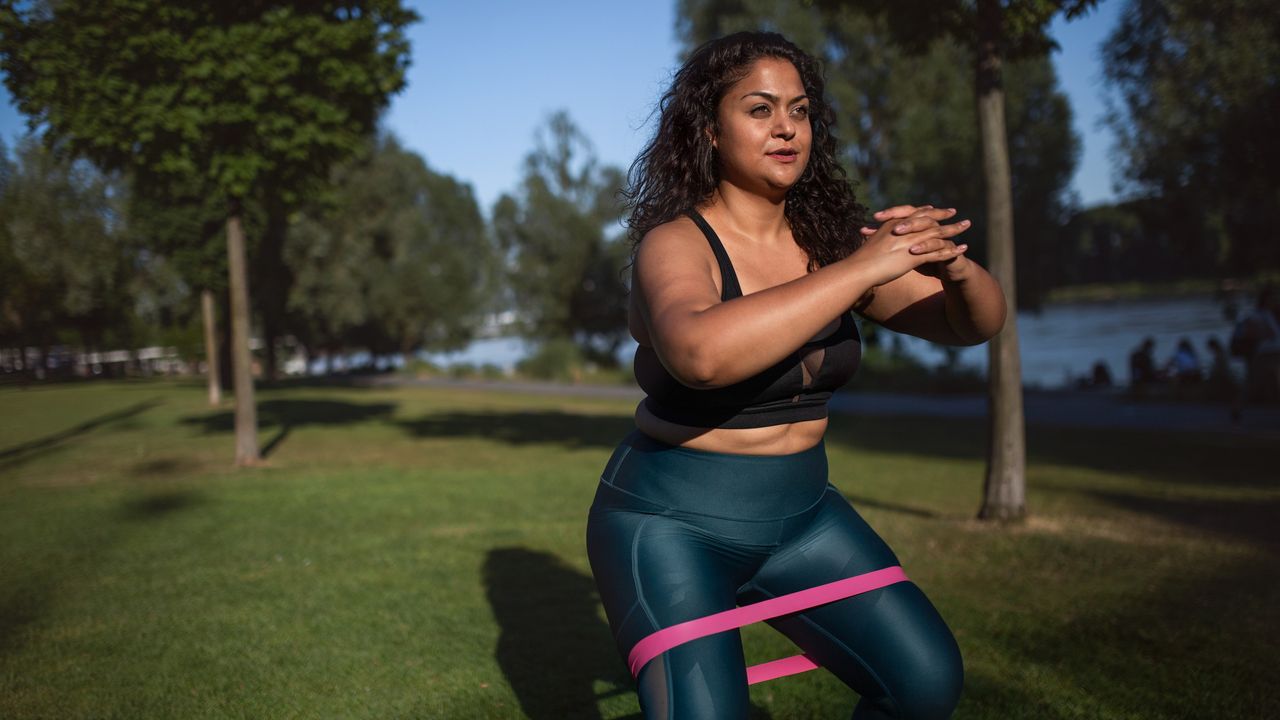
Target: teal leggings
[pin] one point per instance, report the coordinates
(676, 534)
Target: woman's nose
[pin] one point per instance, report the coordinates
(784, 127)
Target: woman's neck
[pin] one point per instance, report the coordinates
(761, 219)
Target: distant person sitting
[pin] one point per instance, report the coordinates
(1101, 375)
(1184, 367)
(1142, 365)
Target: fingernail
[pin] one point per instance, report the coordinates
(916, 248)
(962, 248)
(900, 228)
(964, 222)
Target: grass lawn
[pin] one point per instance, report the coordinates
(418, 553)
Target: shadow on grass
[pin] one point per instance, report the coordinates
(288, 415)
(1196, 644)
(161, 466)
(18, 454)
(863, 501)
(1224, 460)
(35, 584)
(570, 430)
(552, 645)
(1254, 521)
(159, 504)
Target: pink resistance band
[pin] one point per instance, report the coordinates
(653, 645)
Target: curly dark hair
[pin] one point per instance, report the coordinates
(678, 170)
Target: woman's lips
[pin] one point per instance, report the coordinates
(785, 156)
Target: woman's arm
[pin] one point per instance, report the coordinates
(953, 302)
(706, 343)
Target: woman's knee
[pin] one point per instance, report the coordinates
(934, 696)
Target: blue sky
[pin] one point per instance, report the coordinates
(486, 75)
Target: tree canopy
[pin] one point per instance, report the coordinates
(566, 267)
(907, 121)
(396, 258)
(248, 96)
(66, 273)
(1197, 126)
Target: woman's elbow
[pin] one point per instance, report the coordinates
(697, 371)
(695, 366)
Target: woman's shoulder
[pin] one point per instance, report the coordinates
(679, 236)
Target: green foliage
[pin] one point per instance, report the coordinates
(397, 258)
(554, 359)
(1018, 25)
(888, 370)
(1197, 123)
(244, 96)
(907, 122)
(67, 270)
(565, 272)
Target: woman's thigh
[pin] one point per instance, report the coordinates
(890, 645)
(653, 572)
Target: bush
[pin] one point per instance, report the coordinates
(557, 359)
(887, 371)
(419, 368)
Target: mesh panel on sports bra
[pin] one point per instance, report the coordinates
(795, 389)
(810, 364)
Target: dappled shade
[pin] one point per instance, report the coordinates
(571, 430)
(11, 457)
(289, 415)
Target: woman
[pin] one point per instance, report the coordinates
(751, 254)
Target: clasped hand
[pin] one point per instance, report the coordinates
(914, 238)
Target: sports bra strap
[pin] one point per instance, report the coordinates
(729, 287)
(654, 644)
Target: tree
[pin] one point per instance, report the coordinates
(1197, 125)
(243, 100)
(565, 271)
(396, 259)
(865, 43)
(907, 123)
(67, 267)
(994, 32)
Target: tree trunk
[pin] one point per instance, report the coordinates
(241, 360)
(1004, 495)
(210, 347)
(225, 376)
(273, 280)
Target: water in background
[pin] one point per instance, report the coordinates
(1058, 345)
(1061, 344)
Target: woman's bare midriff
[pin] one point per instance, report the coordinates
(773, 440)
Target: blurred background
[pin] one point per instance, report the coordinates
(393, 232)
(1141, 153)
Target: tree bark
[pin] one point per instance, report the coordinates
(210, 347)
(1004, 493)
(241, 360)
(273, 280)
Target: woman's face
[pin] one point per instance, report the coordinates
(765, 135)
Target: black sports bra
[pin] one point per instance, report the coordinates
(794, 389)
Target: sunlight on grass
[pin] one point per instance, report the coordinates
(419, 553)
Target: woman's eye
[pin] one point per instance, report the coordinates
(760, 110)
(801, 110)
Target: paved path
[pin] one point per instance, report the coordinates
(1098, 409)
